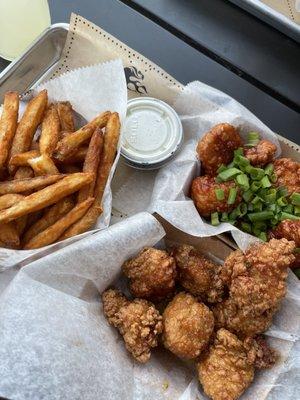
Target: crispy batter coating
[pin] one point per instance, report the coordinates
(289, 230)
(138, 321)
(216, 147)
(224, 371)
(188, 326)
(257, 284)
(259, 353)
(204, 195)
(197, 274)
(261, 154)
(288, 174)
(152, 274)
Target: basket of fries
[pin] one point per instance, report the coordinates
(53, 172)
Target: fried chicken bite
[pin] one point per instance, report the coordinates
(257, 284)
(152, 274)
(204, 196)
(261, 154)
(138, 322)
(224, 371)
(197, 274)
(259, 353)
(287, 172)
(216, 147)
(187, 326)
(290, 230)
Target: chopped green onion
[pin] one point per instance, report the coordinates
(282, 202)
(265, 183)
(297, 210)
(224, 217)
(269, 169)
(215, 219)
(260, 216)
(274, 221)
(256, 200)
(273, 178)
(257, 174)
(246, 227)
(239, 152)
(289, 209)
(247, 196)
(263, 236)
(243, 181)
(297, 272)
(243, 209)
(232, 195)
(250, 207)
(252, 139)
(260, 225)
(285, 215)
(220, 195)
(221, 168)
(270, 197)
(295, 198)
(233, 215)
(272, 207)
(242, 161)
(255, 186)
(229, 173)
(282, 192)
(258, 206)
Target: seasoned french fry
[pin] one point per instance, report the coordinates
(65, 113)
(47, 196)
(8, 125)
(111, 138)
(70, 144)
(30, 120)
(24, 172)
(77, 157)
(53, 214)
(83, 224)
(7, 200)
(21, 160)
(9, 235)
(20, 224)
(50, 131)
(43, 165)
(23, 185)
(91, 164)
(52, 233)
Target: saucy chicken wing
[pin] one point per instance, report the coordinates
(216, 147)
(261, 154)
(287, 172)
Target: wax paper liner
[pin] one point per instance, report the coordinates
(91, 90)
(56, 344)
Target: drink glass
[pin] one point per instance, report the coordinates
(21, 21)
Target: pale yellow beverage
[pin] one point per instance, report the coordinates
(21, 21)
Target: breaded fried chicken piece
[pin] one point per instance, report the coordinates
(257, 284)
(224, 371)
(138, 321)
(288, 174)
(152, 274)
(188, 326)
(259, 353)
(290, 230)
(261, 154)
(216, 147)
(197, 274)
(204, 196)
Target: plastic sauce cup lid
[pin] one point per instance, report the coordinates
(152, 133)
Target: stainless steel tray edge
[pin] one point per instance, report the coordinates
(36, 63)
(271, 17)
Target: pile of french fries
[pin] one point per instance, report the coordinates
(51, 186)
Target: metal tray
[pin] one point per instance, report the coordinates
(270, 16)
(36, 63)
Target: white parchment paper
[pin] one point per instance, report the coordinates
(55, 343)
(166, 191)
(91, 90)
